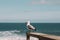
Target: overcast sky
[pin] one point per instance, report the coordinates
(34, 10)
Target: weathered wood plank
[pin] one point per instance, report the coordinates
(42, 36)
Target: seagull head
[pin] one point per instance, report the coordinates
(28, 23)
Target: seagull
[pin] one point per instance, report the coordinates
(30, 27)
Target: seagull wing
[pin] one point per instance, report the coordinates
(31, 27)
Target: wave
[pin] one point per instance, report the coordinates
(11, 35)
(8, 33)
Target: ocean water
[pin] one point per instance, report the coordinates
(17, 31)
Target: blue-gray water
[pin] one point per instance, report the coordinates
(20, 28)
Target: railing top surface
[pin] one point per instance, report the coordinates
(45, 35)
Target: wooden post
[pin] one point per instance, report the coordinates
(39, 38)
(28, 36)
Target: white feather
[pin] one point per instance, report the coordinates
(29, 26)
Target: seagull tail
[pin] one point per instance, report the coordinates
(35, 29)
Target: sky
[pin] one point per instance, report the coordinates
(42, 11)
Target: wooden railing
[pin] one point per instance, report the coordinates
(42, 36)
